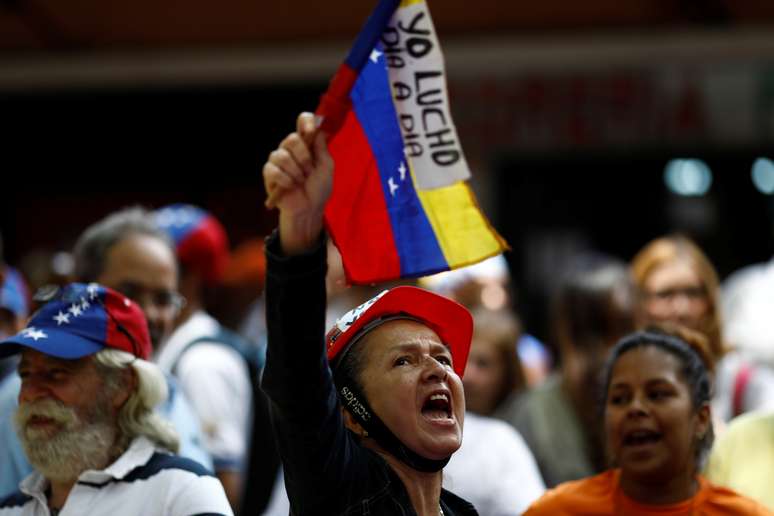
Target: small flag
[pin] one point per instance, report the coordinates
(400, 205)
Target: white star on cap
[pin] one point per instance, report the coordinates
(35, 334)
(375, 54)
(76, 310)
(85, 303)
(62, 318)
(348, 319)
(92, 290)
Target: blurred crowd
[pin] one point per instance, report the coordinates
(536, 419)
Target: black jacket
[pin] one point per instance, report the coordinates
(327, 472)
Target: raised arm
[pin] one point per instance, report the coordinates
(313, 443)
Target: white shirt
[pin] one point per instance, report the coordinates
(493, 469)
(216, 381)
(747, 302)
(143, 481)
(758, 393)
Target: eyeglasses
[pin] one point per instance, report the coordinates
(670, 294)
(160, 299)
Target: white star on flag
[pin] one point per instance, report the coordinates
(402, 170)
(375, 54)
(85, 303)
(76, 310)
(392, 185)
(35, 334)
(92, 290)
(62, 318)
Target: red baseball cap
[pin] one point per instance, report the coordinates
(449, 319)
(200, 240)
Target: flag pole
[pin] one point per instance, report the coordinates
(335, 103)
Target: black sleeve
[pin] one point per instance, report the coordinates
(316, 450)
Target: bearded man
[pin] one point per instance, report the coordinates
(86, 419)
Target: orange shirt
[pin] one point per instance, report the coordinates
(601, 495)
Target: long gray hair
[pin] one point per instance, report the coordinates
(137, 417)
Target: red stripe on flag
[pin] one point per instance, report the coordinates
(357, 208)
(335, 103)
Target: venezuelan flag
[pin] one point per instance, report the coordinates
(400, 205)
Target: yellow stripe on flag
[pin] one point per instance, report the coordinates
(463, 232)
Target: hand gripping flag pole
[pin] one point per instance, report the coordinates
(335, 103)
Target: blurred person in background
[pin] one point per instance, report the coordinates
(487, 286)
(658, 427)
(127, 252)
(238, 302)
(493, 469)
(213, 364)
(494, 371)
(47, 266)
(747, 298)
(341, 297)
(239, 305)
(742, 459)
(14, 308)
(486, 283)
(592, 308)
(678, 284)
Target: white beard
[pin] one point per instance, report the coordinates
(77, 445)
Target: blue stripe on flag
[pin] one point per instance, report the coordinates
(370, 34)
(415, 239)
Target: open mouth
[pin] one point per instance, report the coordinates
(437, 407)
(40, 420)
(641, 438)
(41, 427)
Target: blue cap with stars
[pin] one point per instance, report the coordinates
(80, 320)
